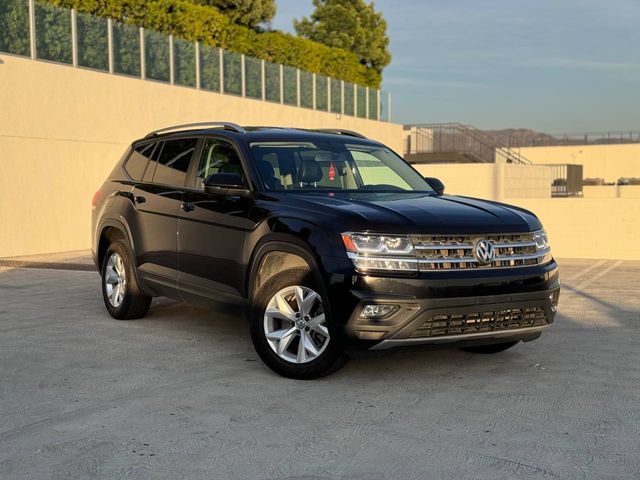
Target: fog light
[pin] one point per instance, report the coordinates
(553, 298)
(379, 311)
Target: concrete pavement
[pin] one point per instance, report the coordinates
(182, 394)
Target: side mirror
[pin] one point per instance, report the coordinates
(225, 183)
(437, 185)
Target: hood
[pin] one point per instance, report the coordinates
(411, 213)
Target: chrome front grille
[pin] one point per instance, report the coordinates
(483, 321)
(455, 252)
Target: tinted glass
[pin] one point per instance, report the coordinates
(53, 33)
(173, 162)
(253, 76)
(361, 96)
(156, 55)
(218, 156)
(306, 89)
(92, 42)
(232, 73)
(151, 167)
(209, 68)
(290, 79)
(14, 27)
(272, 81)
(126, 49)
(334, 165)
(336, 96)
(321, 92)
(184, 62)
(349, 99)
(137, 162)
(373, 104)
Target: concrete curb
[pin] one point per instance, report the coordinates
(48, 265)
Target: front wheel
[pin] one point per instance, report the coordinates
(291, 330)
(494, 348)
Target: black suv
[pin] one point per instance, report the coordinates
(328, 242)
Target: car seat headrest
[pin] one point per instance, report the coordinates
(310, 171)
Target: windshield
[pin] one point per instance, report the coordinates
(334, 165)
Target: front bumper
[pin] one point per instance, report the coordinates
(477, 307)
(457, 309)
(467, 320)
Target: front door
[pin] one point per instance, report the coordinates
(212, 230)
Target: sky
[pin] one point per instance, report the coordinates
(557, 66)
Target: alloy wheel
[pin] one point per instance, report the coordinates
(115, 280)
(295, 324)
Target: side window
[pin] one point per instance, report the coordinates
(138, 160)
(173, 161)
(218, 156)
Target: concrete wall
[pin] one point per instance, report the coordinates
(471, 179)
(62, 129)
(589, 227)
(596, 226)
(609, 162)
(611, 191)
(492, 180)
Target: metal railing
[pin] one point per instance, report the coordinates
(532, 139)
(43, 32)
(456, 139)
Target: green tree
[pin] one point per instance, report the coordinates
(350, 24)
(248, 13)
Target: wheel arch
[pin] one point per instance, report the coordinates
(111, 230)
(277, 253)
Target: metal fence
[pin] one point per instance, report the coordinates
(43, 32)
(532, 139)
(446, 142)
(567, 180)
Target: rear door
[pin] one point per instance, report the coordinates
(154, 213)
(212, 230)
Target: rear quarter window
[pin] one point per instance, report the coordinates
(138, 160)
(173, 162)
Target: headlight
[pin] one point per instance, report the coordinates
(380, 252)
(540, 237)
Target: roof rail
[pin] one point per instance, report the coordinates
(190, 126)
(339, 131)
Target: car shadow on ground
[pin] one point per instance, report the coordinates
(219, 329)
(216, 331)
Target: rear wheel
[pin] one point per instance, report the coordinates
(291, 330)
(122, 295)
(494, 348)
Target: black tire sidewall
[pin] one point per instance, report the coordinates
(121, 311)
(330, 360)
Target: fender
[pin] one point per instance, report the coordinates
(279, 242)
(123, 227)
(312, 235)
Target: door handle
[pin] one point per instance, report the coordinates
(139, 199)
(187, 206)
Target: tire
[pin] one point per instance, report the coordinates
(486, 349)
(128, 302)
(292, 355)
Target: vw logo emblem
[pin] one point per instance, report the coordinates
(484, 252)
